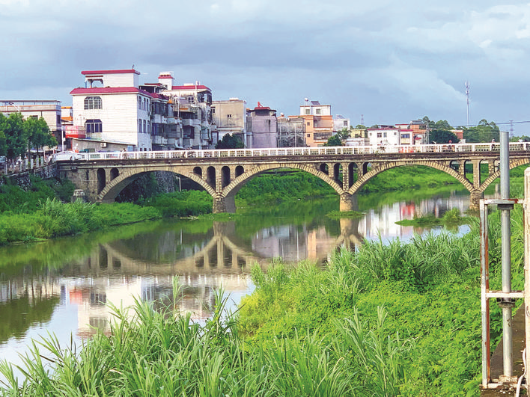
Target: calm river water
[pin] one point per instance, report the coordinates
(62, 286)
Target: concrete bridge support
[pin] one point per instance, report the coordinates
(474, 199)
(348, 202)
(224, 204)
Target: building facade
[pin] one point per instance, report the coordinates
(318, 123)
(49, 110)
(112, 109)
(229, 117)
(263, 127)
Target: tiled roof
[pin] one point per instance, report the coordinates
(192, 87)
(118, 71)
(113, 90)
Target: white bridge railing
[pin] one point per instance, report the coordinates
(302, 151)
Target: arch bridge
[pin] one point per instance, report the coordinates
(346, 169)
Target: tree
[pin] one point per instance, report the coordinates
(230, 142)
(484, 132)
(333, 141)
(442, 136)
(16, 140)
(3, 141)
(343, 134)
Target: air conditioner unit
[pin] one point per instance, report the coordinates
(103, 144)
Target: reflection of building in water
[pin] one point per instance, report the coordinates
(293, 243)
(381, 222)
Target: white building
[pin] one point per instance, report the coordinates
(229, 117)
(340, 122)
(113, 109)
(384, 135)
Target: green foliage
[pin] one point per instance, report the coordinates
(184, 203)
(484, 132)
(428, 289)
(334, 140)
(402, 178)
(442, 136)
(230, 141)
(281, 185)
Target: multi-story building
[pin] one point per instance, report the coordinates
(291, 131)
(113, 111)
(229, 117)
(49, 110)
(318, 122)
(192, 106)
(340, 122)
(383, 135)
(263, 126)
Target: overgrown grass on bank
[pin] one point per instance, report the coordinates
(54, 218)
(396, 319)
(428, 288)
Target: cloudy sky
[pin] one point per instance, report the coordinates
(390, 61)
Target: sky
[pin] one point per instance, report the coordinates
(384, 61)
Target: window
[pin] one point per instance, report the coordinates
(93, 102)
(34, 117)
(345, 123)
(318, 111)
(139, 126)
(145, 127)
(228, 116)
(309, 135)
(93, 126)
(139, 103)
(308, 111)
(213, 110)
(384, 134)
(308, 123)
(379, 135)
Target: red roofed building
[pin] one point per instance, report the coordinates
(115, 113)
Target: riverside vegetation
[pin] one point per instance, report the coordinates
(388, 320)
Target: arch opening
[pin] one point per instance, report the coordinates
(337, 173)
(114, 173)
(225, 176)
(102, 179)
(239, 170)
(198, 171)
(210, 176)
(324, 168)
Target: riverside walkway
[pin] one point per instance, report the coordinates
(346, 168)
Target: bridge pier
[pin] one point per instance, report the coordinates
(348, 202)
(224, 204)
(474, 199)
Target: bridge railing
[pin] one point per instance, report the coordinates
(304, 151)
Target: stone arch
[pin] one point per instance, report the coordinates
(114, 187)
(225, 176)
(386, 166)
(497, 174)
(236, 184)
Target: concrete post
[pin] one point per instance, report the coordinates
(462, 168)
(345, 176)
(476, 173)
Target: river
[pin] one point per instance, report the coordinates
(62, 286)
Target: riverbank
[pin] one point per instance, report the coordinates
(41, 213)
(397, 319)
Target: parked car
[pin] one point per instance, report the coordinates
(68, 156)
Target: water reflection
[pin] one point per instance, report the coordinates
(63, 286)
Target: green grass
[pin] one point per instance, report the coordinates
(450, 219)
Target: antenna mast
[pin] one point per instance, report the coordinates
(362, 119)
(467, 97)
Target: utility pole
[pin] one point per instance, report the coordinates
(467, 97)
